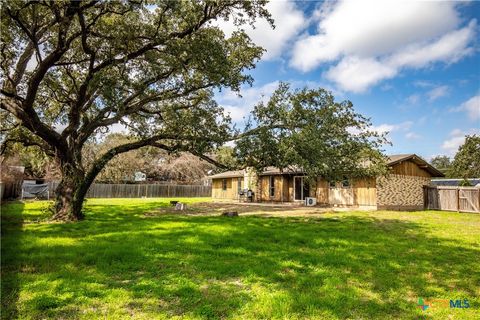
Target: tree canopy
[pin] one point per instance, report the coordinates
(466, 163)
(442, 163)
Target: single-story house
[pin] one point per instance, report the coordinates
(401, 189)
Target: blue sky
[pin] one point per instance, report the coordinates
(412, 67)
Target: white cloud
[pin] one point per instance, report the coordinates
(412, 136)
(374, 40)
(471, 106)
(449, 48)
(118, 128)
(59, 127)
(356, 75)
(385, 127)
(240, 106)
(438, 92)
(413, 99)
(422, 120)
(386, 87)
(455, 140)
(423, 83)
(451, 145)
(288, 20)
(237, 113)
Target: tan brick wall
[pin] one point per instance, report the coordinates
(400, 192)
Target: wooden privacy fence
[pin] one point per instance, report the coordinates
(101, 190)
(466, 199)
(10, 189)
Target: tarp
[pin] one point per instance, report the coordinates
(34, 190)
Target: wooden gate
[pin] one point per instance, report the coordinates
(465, 199)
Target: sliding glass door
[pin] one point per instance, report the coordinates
(301, 189)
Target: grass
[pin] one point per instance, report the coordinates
(129, 260)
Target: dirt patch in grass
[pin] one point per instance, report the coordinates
(268, 210)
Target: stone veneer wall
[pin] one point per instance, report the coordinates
(400, 192)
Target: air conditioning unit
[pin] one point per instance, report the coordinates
(309, 201)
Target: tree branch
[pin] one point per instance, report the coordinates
(26, 142)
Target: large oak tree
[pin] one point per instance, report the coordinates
(72, 69)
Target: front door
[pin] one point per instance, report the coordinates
(301, 189)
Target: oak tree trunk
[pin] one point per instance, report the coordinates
(69, 194)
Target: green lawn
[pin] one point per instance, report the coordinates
(121, 263)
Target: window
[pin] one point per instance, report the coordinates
(271, 187)
(346, 183)
(239, 186)
(224, 184)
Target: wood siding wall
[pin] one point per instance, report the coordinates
(283, 189)
(365, 192)
(322, 191)
(232, 188)
(409, 168)
(362, 192)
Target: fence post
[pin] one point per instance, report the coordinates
(425, 197)
(458, 199)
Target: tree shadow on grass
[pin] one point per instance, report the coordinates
(250, 267)
(11, 228)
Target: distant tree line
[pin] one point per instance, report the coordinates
(157, 164)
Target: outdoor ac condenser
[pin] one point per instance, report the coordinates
(310, 201)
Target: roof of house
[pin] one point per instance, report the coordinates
(228, 174)
(455, 182)
(273, 170)
(266, 172)
(392, 160)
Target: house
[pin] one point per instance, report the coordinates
(401, 189)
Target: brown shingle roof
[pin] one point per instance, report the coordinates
(273, 170)
(393, 158)
(228, 174)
